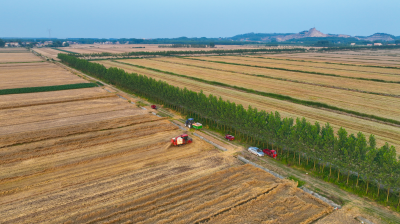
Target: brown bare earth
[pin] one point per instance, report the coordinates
(35, 74)
(18, 57)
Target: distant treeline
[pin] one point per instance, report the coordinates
(340, 158)
(46, 88)
(169, 53)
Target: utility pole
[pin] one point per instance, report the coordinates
(49, 33)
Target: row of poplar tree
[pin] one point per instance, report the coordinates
(168, 53)
(300, 140)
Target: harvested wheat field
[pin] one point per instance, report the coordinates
(387, 74)
(72, 177)
(18, 57)
(346, 59)
(283, 204)
(42, 98)
(383, 132)
(34, 75)
(321, 80)
(217, 195)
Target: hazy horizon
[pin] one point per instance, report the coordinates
(162, 19)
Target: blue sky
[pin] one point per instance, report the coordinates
(193, 18)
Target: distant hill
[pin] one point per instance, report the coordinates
(304, 35)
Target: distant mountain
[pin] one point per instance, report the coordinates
(378, 36)
(311, 33)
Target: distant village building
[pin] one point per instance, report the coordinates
(47, 43)
(377, 44)
(352, 44)
(11, 44)
(369, 44)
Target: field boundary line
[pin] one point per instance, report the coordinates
(313, 104)
(288, 80)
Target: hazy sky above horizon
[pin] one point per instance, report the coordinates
(206, 18)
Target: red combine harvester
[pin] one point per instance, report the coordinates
(230, 137)
(269, 152)
(153, 107)
(181, 140)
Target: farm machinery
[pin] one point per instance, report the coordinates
(181, 140)
(191, 124)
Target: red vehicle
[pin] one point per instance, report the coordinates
(230, 137)
(154, 107)
(181, 140)
(269, 152)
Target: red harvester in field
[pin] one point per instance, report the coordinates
(154, 107)
(181, 140)
(269, 152)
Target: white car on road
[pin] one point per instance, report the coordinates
(256, 151)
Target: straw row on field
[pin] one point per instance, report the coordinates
(373, 105)
(353, 125)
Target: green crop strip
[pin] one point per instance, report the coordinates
(274, 95)
(46, 88)
(300, 71)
